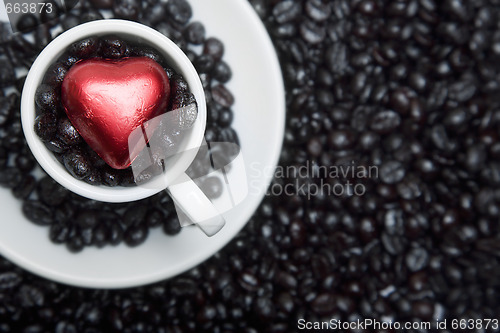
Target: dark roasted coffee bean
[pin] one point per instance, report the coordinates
(10, 177)
(42, 36)
(134, 215)
(85, 48)
(87, 219)
(385, 121)
(51, 192)
(222, 96)
(86, 235)
(222, 72)
(179, 10)
(55, 74)
(195, 33)
(9, 280)
(336, 58)
(392, 172)
(30, 296)
(204, 63)
(286, 11)
(155, 218)
(75, 244)
(341, 139)
(213, 47)
(27, 22)
(127, 9)
(248, 281)
(55, 145)
(115, 234)
(225, 117)
(77, 163)
(323, 304)
(102, 4)
(37, 212)
(93, 178)
(24, 188)
(59, 233)
(317, 10)
(135, 235)
(178, 84)
(113, 47)
(47, 98)
(417, 259)
(110, 177)
(7, 74)
(67, 133)
(90, 15)
(5, 109)
(100, 236)
(311, 32)
(171, 226)
(69, 21)
(150, 53)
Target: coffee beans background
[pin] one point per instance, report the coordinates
(409, 86)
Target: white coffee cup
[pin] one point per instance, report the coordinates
(182, 189)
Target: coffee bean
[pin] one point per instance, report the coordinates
(89, 15)
(85, 48)
(67, 133)
(113, 47)
(10, 177)
(336, 59)
(9, 280)
(324, 304)
(27, 22)
(24, 188)
(385, 121)
(392, 172)
(47, 98)
(179, 10)
(317, 10)
(222, 72)
(135, 235)
(148, 52)
(214, 47)
(102, 4)
(222, 96)
(127, 9)
(50, 192)
(195, 33)
(46, 126)
(42, 36)
(311, 32)
(75, 244)
(77, 164)
(37, 212)
(30, 296)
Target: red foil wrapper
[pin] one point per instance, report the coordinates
(106, 100)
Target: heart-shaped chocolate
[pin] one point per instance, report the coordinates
(106, 100)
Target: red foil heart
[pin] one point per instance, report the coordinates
(106, 100)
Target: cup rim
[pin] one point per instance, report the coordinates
(176, 59)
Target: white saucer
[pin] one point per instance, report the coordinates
(259, 120)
